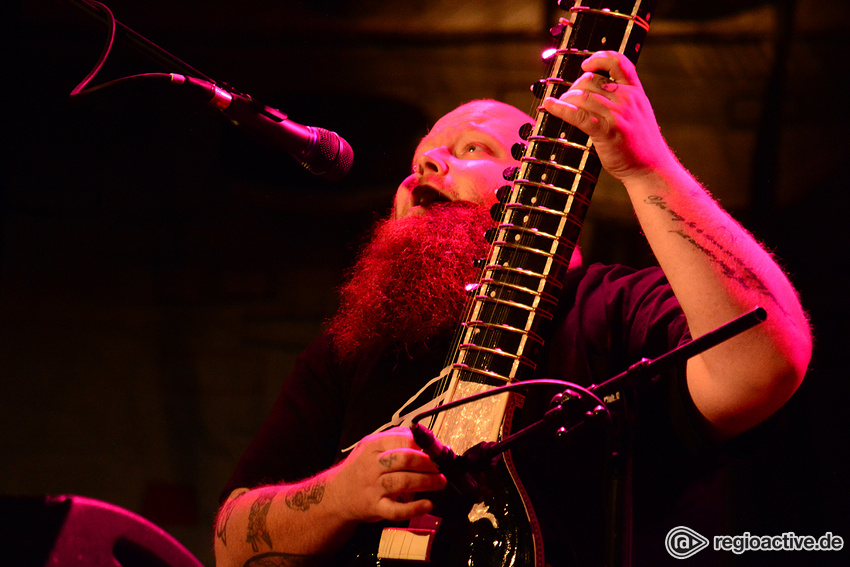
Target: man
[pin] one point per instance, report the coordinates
(406, 295)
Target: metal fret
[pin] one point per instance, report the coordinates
(571, 51)
(560, 141)
(554, 188)
(515, 304)
(496, 351)
(527, 232)
(607, 12)
(536, 209)
(478, 325)
(548, 255)
(487, 282)
(460, 367)
(634, 18)
(549, 281)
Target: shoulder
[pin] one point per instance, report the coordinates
(616, 292)
(617, 312)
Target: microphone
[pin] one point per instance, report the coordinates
(458, 469)
(322, 152)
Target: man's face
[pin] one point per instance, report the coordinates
(462, 158)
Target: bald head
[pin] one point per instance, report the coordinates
(463, 157)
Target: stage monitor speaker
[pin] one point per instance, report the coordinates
(74, 531)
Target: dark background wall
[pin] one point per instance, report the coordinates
(159, 271)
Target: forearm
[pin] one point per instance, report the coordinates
(717, 271)
(295, 524)
(303, 523)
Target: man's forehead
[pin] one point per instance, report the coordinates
(491, 117)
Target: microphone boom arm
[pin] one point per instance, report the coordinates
(632, 377)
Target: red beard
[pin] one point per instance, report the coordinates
(408, 284)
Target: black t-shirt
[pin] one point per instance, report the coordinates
(608, 318)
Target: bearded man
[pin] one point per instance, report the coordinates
(328, 462)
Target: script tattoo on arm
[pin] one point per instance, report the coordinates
(303, 498)
(257, 527)
(731, 265)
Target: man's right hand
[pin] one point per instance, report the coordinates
(382, 475)
(313, 518)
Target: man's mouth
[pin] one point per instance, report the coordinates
(425, 196)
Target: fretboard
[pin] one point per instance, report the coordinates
(540, 214)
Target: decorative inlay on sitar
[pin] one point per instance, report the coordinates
(539, 218)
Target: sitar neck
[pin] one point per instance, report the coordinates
(539, 217)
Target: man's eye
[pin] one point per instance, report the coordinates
(474, 148)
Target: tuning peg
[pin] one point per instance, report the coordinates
(556, 30)
(518, 150)
(496, 212)
(508, 175)
(538, 89)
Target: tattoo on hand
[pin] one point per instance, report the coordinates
(305, 497)
(730, 265)
(257, 527)
(388, 461)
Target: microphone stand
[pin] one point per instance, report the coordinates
(567, 415)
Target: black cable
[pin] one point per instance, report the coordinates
(102, 13)
(107, 48)
(508, 388)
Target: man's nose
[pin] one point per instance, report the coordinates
(432, 161)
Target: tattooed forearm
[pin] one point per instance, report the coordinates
(224, 517)
(731, 265)
(303, 498)
(257, 527)
(286, 560)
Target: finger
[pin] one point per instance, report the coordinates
(593, 83)
(396, 438)
(400, 430)
(396, 484)
(575, 115)
(397, 511)
(400, 435)
(407, 460)
(561, 108)
(596, 104)
(616, 65)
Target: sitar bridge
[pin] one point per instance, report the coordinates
(412, 543)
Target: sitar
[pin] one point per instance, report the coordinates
(539, 216)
